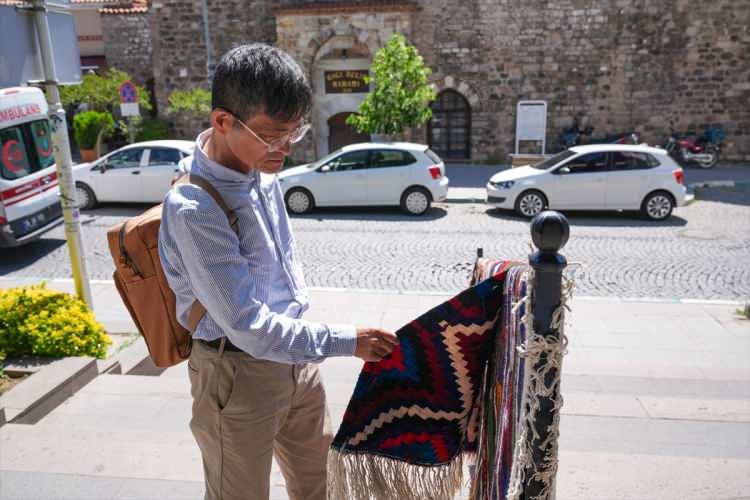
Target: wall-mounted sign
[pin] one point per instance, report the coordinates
(346, 81)
(531, 127)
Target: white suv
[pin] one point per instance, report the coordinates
(401, 174)
(593, 177)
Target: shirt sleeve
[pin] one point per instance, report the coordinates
(221, 280)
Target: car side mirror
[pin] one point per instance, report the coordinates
(563, 170)
(102, 168)
(325, 168)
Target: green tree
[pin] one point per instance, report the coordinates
(102, 93)
(401, 96)
(195, 103)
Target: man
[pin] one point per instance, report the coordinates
(254, 392)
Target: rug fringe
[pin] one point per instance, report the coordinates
(358, 476)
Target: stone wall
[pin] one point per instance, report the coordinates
(180, 59)
(618, 64)
(127, 45)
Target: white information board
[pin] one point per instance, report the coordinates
(531, 125)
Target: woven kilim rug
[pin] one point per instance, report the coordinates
(502, 391)
(405, 427)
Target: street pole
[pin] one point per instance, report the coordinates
(63, 159)
(131, 135)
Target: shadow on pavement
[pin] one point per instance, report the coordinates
(16, 258)
(118, 209)
(371, 213)
(598, 218)
(341, 213)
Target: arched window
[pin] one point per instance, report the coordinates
(449, 130)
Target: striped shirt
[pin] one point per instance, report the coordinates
(252, 285)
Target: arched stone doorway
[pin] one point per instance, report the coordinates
(342, 57)
(449, 129)
(340, 134)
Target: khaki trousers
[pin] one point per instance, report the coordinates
(244, 411)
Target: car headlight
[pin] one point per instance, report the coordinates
(503, 184)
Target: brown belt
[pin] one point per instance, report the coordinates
(214, 344)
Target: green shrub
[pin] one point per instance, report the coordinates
(88, 125)
(36, 321)
(3, 376)
(152, 130)
(195, 103)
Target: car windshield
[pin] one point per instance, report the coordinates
(325, 159)
(553, 160)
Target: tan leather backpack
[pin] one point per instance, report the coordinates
(143, 286)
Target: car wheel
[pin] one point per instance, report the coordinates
(416, 201)
(299, 201)
(657, 206)
(530, 203)
(85, 197)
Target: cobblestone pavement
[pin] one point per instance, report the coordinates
(701, 252)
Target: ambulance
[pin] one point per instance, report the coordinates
(29, 194)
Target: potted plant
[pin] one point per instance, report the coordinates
(89, 128)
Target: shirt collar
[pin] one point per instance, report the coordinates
(215, 170)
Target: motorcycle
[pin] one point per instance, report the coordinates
(701, 151)
(576, 136)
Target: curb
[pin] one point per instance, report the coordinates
(710, 184)
(587, 298)
(463, 200)
(47, 387)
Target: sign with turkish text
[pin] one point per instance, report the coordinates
(346, 81)
(21, 111)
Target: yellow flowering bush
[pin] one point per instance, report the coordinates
(36, 321)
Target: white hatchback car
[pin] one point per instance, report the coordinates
(137, 173)
(593, 177)
(374, 174)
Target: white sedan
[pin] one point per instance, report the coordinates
(593, 177)
(137, 173)
(374, 174)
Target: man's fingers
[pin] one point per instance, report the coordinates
(382, 351)
(390, 338)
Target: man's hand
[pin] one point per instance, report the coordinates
(373, 344)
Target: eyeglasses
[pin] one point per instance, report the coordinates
(279, 143)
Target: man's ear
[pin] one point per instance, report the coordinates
(221, 120)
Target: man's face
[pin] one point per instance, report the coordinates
(249, 144)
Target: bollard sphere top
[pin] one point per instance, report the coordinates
(550, 231)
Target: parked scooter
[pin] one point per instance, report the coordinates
(703, 152)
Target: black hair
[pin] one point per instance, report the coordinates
(258, 78)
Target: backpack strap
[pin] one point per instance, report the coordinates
(207, 187)
(197, 310)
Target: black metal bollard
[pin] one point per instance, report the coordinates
(549, 232)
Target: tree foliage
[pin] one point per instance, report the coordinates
(401, 96)
(195, 102)
(102, 93)
(90, 127)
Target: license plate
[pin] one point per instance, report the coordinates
(34, 221)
